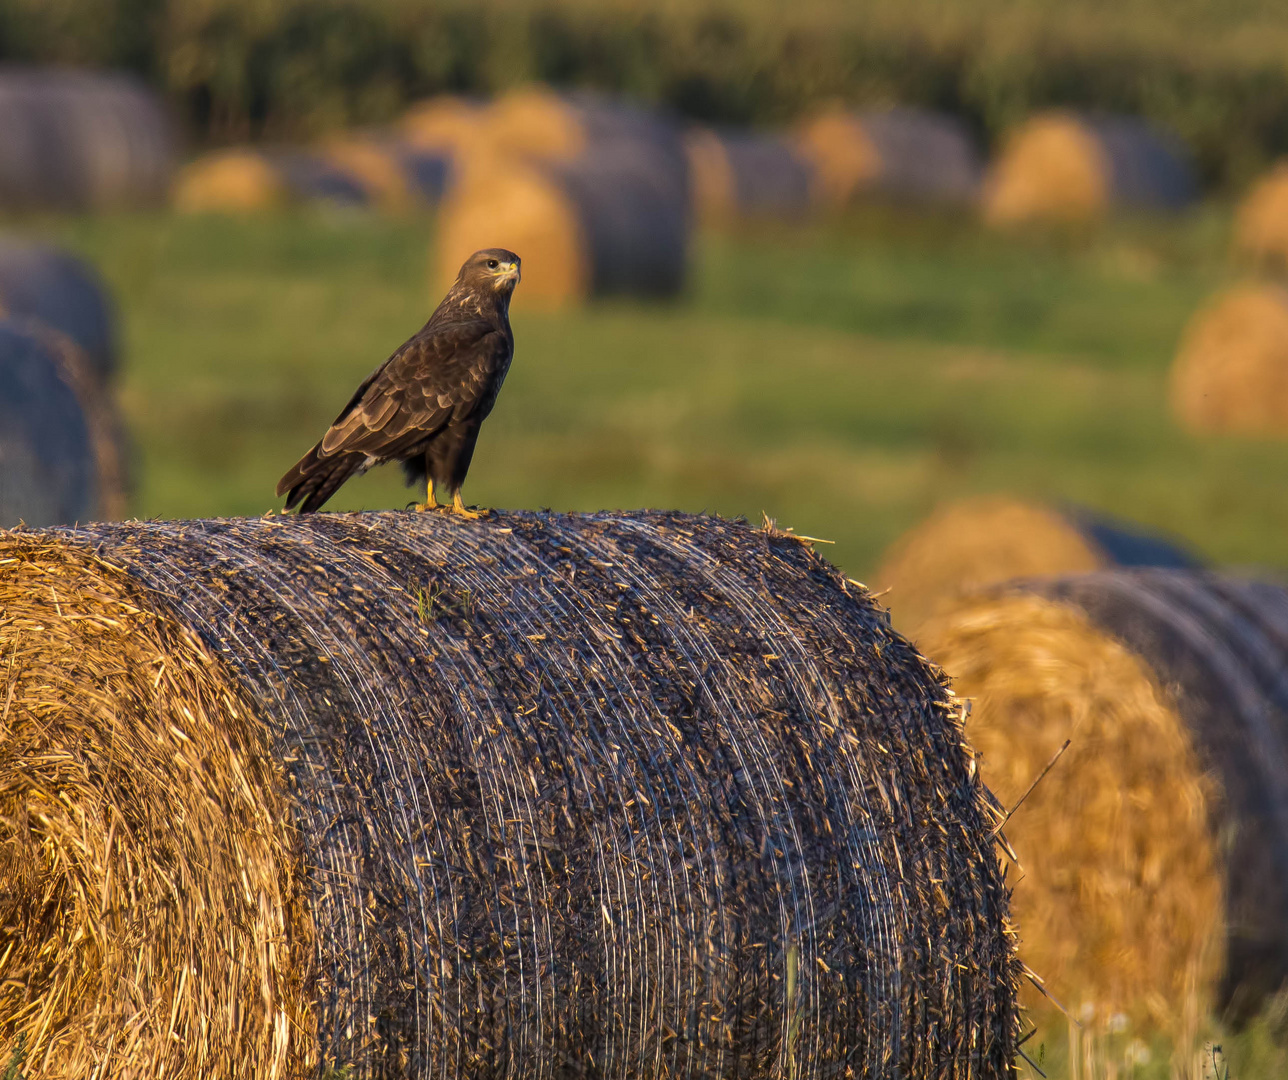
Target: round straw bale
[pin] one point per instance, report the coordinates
(1231, 372)
(1155, 853)
(71, 140)
(970, 543)
(394, 174)
(899, 153)
(61, 446)
(240, 180)
(615, 220)
(636, 794)
(1261, 223)
(444, 124)
(735, 174)
(1075, 167)
(245, 180)
(62, 291)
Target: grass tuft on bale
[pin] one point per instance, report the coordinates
(637, 793)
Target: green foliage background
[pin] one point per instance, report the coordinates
(1215, 71)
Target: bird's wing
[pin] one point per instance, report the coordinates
(437, 377)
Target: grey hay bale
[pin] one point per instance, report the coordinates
(746, 174)
(1067, 166)
(62, 456)
(1220, 645)
(74, 140)
(63, 292)
(631, 794)
(902, 153)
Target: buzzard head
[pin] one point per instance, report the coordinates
(490, 271)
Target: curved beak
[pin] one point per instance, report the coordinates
(509, 272)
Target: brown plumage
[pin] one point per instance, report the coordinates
(425, 404)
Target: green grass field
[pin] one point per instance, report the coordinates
(842, 378)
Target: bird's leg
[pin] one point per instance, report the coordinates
(459, 508)
(431, 503)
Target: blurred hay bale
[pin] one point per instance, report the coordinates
(900, 153)
(240, 180)
(249, 180)
(443, 124)
(1261, 222)
(62, 455)
(639, 792)
(72, 140)
(395, 175)
(537, 122)
(1231, 372)
(981, 541)
(613, 221)
(744, 174)
(63, 292)
(1075, 167)
(1155, 854)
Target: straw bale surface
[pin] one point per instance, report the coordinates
(742, 174)
(900, 153)
(970, 543)
(62, 455)
(63, 292)
(614, 220)
(1261, 222)
(631, 794)
(72, 140)
(1075, 167)
(1156, 852)
(1231, 372)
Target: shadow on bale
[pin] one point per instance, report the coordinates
(632, 794)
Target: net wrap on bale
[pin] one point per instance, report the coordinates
(1156, 852)
(628, 794)
(62, 445)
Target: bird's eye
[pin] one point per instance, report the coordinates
(492, 264)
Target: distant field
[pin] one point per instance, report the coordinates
(841, 378)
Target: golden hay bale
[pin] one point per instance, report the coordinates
(1074, 167)
(62, 455)
(74, 140)
(613, 221)
(899, 153)
(240, 180)
(387, 793)
(444, 123)
(1231, 372)
(981, 541)
(736, 174)
(1261, 223)
(1167, 820)
(245, 180)
(63, 292)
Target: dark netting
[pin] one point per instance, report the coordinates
(1220, 645)
(619, 795)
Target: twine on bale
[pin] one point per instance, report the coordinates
(622, 795)
(1156, 854)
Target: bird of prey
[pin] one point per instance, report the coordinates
(425, 404)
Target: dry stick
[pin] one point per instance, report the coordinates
(1054, 758)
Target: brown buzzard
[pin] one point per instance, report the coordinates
(425, 404)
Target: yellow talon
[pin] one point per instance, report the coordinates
(430, 502)
(459, 509)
